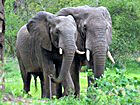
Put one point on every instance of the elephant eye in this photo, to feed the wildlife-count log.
(57, 31)
(85, 28)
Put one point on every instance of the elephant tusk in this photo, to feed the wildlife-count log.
(0, 27)
(110, 57)
(60, 51)
(88, 55)
(0, 30)
(80, 52)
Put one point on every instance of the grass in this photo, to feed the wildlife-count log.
(14, 85)
(13, 88)
(133, 69)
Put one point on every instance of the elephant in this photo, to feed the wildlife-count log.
(46, 46)
(94, 27)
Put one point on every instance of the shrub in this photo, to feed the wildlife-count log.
(115, 89)
(126, 22)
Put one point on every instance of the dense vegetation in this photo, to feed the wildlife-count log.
(120, 84)
(117, 87)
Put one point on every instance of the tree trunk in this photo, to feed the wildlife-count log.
(17, 4)
(2, 30)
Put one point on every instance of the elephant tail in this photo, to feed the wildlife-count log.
(35, 79)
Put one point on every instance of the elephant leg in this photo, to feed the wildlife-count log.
(48, 68)
(27, 82)
(89, 78)
(58, 86)
(26, 77)
(68, 85)
(75, 69)
(44, 93)
(46, 88)
(53, 89)
(59, 90)
(42, 84)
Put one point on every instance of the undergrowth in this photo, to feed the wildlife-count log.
(116, 87)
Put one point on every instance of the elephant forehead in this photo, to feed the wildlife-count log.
(66, 26)
(95, 15)
(68, 18)
(97, 21)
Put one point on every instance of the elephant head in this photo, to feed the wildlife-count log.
(49, 30)
(95, 26)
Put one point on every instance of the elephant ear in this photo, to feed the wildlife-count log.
(71, 18)
(76, 12)
(65, 11)
(108, 20)
(38, 28)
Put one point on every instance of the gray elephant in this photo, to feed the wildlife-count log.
(95, 35)
(38, 45)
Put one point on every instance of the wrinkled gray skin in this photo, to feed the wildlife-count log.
(95, 34)
(37, 47)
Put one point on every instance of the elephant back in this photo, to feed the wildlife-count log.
(25, 49)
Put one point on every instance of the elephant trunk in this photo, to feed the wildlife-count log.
(69, 50)
(66, 64)
(99, 64)
(99, 57)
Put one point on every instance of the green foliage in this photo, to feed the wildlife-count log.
(13, 24)
(126, 22)
(115, 89)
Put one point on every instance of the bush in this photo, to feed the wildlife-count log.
(115, 89)
(126, 23)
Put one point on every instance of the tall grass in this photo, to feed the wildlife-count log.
(117, 87)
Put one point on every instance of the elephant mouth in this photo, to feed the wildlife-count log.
(108, 54)
(77, 51)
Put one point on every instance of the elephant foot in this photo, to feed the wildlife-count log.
(95, 85)
(29, 95)
(69, 91)
(46, 96)
(90, 80)
(25, 91)
(59, 91)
